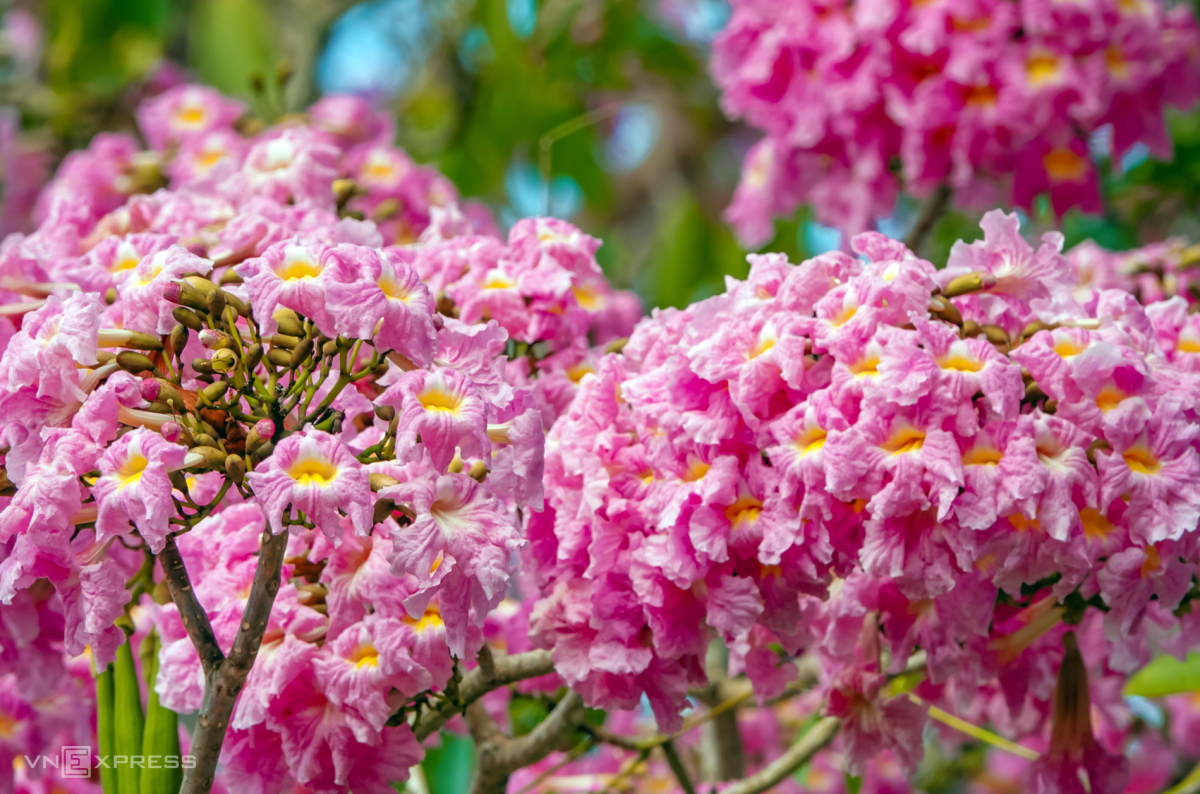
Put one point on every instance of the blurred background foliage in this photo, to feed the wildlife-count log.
(600, 111)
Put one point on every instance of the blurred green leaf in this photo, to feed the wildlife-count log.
(448, 768)
(526, 713)
(230, 41)
(1166, 675)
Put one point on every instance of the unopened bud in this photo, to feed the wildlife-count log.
(478, 472)
(262, 453)
(140, 341)
(995, 334)
(171, 431)
(330, 348)
(173, 292)
(381, 481)
(343, 191)
(284, 340)
(971, 329)
(386, 210)
(968, 283)
(279, 357)
(216, 302)
(149, 389)
(179, 339)
(288, 322)
(105, 357)
(223, 361)
(215, 391)
(302, 353)
(383, 511)
(134, 362)
(235, 468)
(204, 440)
(203, 366)
(253, 356)
(215, 340)
(179, 480)
(212, 457)
(265, 428)
(385, 412)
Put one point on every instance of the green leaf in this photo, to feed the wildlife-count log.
(853, 784)
(1166, 675)
(230, 41)
(128, 721)
(526, 713)
(160, 738)
(104, 727)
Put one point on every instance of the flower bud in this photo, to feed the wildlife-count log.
(262, 453)
(149, 389)
(302, 353)
(205, 440)
(140, 341)
(186, 317)
(343, 191)
(171, 431)
(215, 391)
(203, 366)
(216, 302)
(223, 361)
(235, 468)
(253, 356)
(212, 457)
(383, 510)
(283, 340)
(279, 357)
(265, 428)
(381, 481)
(385, 412)
(968, 283)
(330, 348)
(288, 322)
(215, 340)
(173, 292)
(179, 339)
(134, 362)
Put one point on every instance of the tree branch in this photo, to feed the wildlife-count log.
(722, 738)
(475, 684)
(676, 764)
(934, 209)
(802, 751)
(225, 680)
(194, 617)
(500, 756)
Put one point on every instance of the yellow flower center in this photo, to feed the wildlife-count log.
(577, 372)
(8, 726)
(865, 367)
(131, 470)
(1141, 460)
(696, 471)
(1095, 526)
(1109, 398)
(961, 363)
(438, 400)
(1066, 348)
(1063, 165)
(128, 263)
(843, 317)
(364, 656)
(1022, 524)
(1041, 68)
(1116, 62)
(762, 346)
(906, 439)
(313, 471)
(811, 440)
(588, 298)
(982, 456)
(294, 271)
(745, 510)
(981, 95)
(190, 116)
(1153, 561)
(392, 289)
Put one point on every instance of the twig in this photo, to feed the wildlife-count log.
(800, 753)
(934, 209)
(194, 617)
(576, 751)
(500, 756)
(475, 684)
(676, 764)
(225, 679)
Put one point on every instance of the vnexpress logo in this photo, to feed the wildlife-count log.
(76, 761)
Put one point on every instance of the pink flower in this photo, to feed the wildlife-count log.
(350, 119)
(381, 298)
(872, 724)
(52, 340)
(316, 474)
(111, 262)
(133, 491)
(142, 303)
(214, 154)
(291, 275)
(288, 163)
(444, 408)
(51, 492)
(460, 543)
(185, 112)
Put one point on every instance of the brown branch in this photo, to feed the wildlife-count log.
(500, 756)
(676, 764)
(194, 617)
(475, 684)
(224, 681)
(800, 753)
(934, 209)
(722, 738)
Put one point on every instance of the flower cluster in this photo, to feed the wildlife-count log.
(241, 338)
(994, 99)
(862, 456)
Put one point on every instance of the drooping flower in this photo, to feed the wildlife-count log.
(134, 490)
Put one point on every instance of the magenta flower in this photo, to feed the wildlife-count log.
(186, 112)
(318, 475)
(288, 163)
(350, 119)
(379, 297)
(872, 723)
(443, 408)
(291, 275)
(460, 543)
(133, 491)
(142, 303)
(51, 342)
